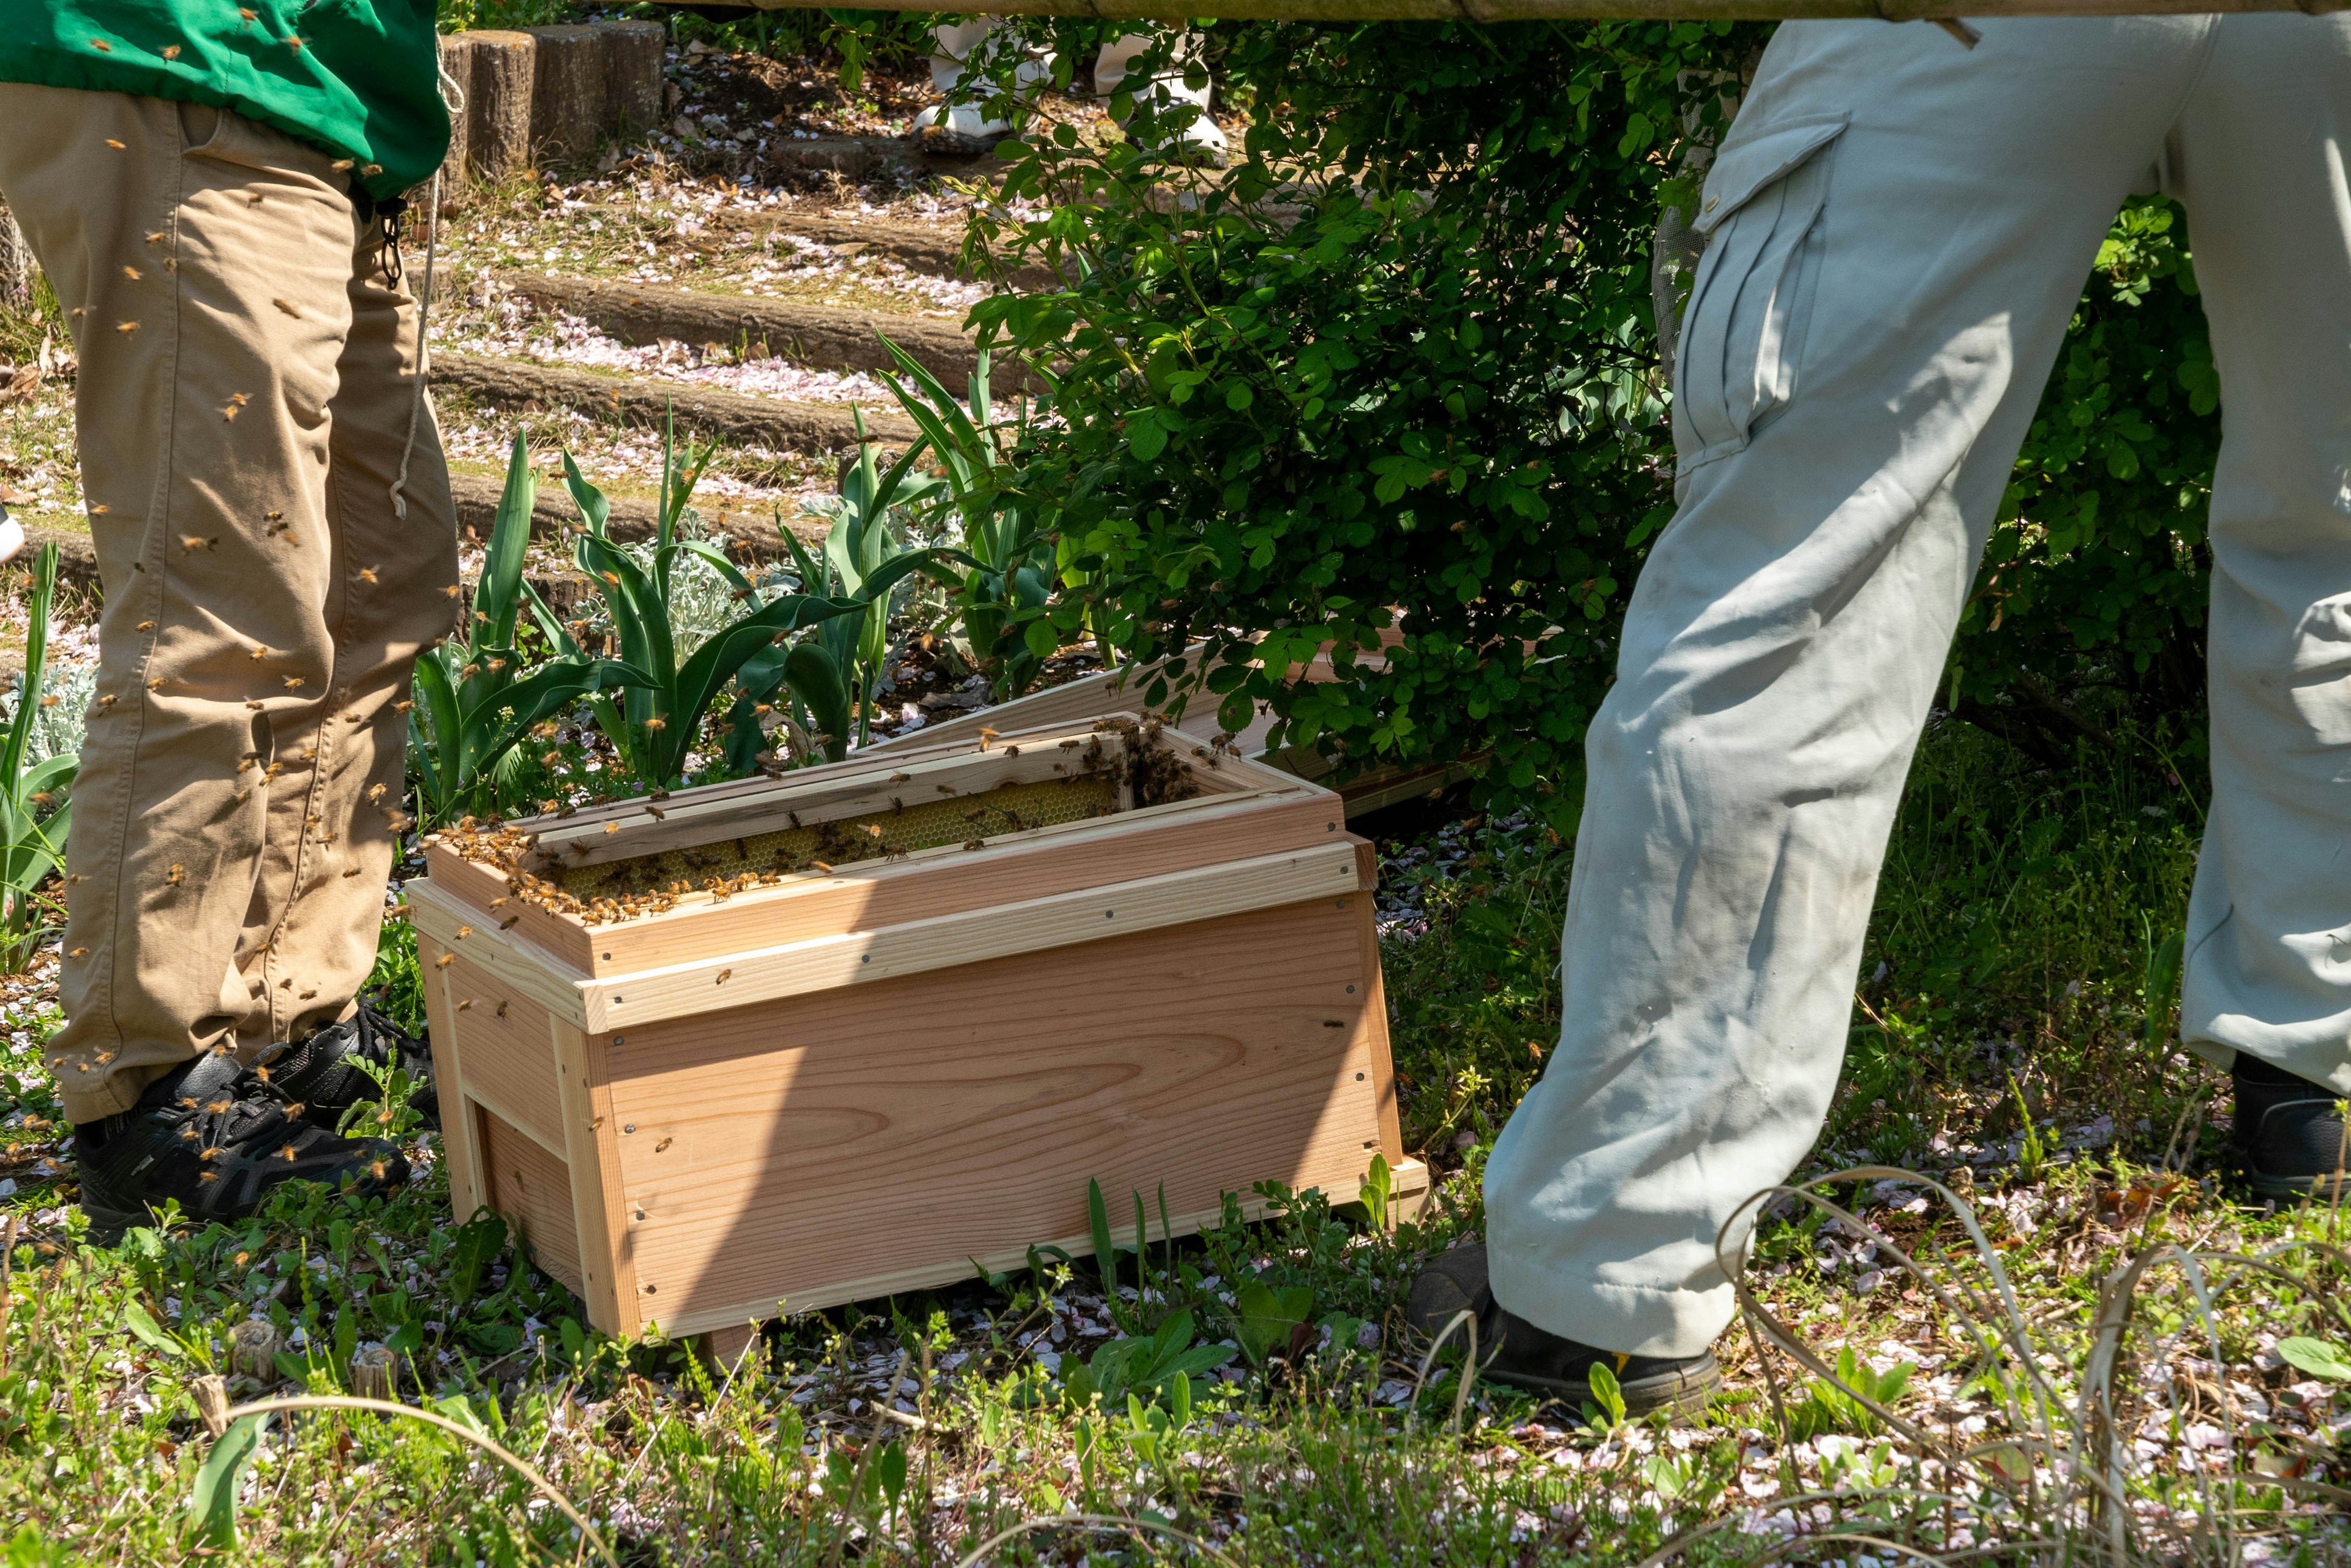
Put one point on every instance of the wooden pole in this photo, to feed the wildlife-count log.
(1580, 10)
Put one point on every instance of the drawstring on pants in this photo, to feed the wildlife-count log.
(454, 98)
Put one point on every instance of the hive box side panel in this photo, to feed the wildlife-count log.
(506, 1051)
(531, 1190)
(460, 1138)
(867, 1139)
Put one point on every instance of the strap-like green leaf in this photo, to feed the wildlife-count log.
(211, 1501)
(36, 661)
(593, 506)
(497, 594)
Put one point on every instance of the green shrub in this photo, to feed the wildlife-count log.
(1401, 355)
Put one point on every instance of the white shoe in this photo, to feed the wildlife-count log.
(960, 128)
(12, 536)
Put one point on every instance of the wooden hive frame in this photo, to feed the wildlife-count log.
(706, 1114)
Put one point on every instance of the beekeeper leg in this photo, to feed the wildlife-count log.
(1200, 135)
(955, 126)
(309, 937)
(203, 263)
(1899, 227)
(2258, 158)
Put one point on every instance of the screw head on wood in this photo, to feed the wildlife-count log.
(629, 1128)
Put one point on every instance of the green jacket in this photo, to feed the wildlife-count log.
(355, 77)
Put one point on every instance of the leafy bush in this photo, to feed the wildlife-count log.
(1401, 356)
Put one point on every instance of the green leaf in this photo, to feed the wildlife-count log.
(1271, 1319)
(1606, 1392)
(2316, 1357)
(147, 1332)
(1146, 436)
(211, 1500)
(1105, 1252)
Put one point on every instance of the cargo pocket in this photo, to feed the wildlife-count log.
(1743, 334)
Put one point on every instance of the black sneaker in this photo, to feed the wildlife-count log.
(2288, 1133)
(217, 1137)
(322, 1072)
(1529, 1357)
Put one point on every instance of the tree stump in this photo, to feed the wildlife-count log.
(373, 1373)
(498, 137)
(457, 63)
(17, 268)
(567, 110)
(253, 1349)
(633, 76)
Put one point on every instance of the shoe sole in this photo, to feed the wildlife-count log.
(1685, 1394)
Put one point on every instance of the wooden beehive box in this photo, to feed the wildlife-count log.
(797, 1041)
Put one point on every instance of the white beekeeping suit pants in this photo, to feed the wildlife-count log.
(1899, 230)
(953, 43)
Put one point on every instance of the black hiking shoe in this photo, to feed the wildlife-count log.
(216, 1136)
(323, 1075)
(1513, 1351)
(2288, 1133)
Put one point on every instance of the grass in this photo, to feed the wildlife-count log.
(2010, 942)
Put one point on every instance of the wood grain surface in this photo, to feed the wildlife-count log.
(509, 1061)
(855, 961)
(803, 1152)
(532, 1190)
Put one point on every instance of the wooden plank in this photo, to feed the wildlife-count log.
(623, 829)
(682, 821)
(715, 1322)
(608, 1282)
(828, 1151)
(524, 967)
(1376, 1030)
(508, 1067)
(861, 957)
(869, 893)
(460, 1134)
(531, 1190)
(1491, 11)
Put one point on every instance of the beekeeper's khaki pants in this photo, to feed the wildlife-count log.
(244, 390)
(1900, 229)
